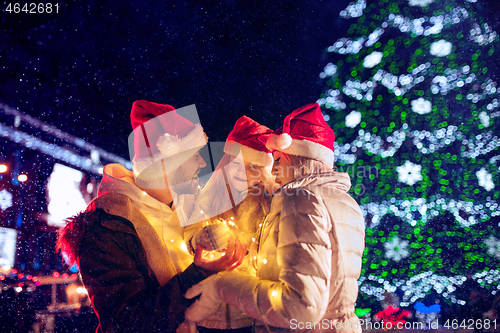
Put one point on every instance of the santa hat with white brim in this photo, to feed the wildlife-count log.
(305, 133)
(249, 137)
(159, 135)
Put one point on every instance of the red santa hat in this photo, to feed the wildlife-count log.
(250, 137)
(305, 133)
(160, 133)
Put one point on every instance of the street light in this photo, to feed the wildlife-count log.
(22, 178)
(3, 168)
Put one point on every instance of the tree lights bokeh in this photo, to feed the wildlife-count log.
(411, 98)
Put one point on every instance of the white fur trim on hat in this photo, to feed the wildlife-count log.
(174, 150)
(303, 148)
(249, 154)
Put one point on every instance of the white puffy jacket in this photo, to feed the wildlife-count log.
(309, 260)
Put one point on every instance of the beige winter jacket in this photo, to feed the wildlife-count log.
(309, 260)
(117, 179)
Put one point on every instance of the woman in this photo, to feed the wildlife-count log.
(310, 244)
(233, 204)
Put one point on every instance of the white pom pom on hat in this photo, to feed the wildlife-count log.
(284, 140)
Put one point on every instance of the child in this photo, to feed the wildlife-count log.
(233, 204)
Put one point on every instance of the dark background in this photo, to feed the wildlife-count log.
(82, 69)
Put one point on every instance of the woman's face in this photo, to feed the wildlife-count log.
(243, 175)
(267, 179)
(282, 169)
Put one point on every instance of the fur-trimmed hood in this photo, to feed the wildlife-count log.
(104, 210)
(70, 237)
(116, 180)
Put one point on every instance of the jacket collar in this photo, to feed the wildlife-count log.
(157, 255)
(338, 180)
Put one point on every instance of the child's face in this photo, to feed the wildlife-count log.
(282, 169)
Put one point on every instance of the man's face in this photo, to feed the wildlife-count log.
(184, 180)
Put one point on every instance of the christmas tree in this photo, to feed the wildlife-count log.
(414, 106)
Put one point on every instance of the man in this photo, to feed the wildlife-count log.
(128, 244)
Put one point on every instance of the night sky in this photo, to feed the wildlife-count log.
(82, 69)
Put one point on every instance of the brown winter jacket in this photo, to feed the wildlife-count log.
(127, 293)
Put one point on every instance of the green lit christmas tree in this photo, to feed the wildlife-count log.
(415, 110)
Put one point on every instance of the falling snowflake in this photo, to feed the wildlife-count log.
(421, 106)
(493, 246)
(409, 173)
(353, 119)
(484, 118)
(396, 249)
(421, 3)
(5, 199)
(485, 179)
(372, 59)
(441, 48)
